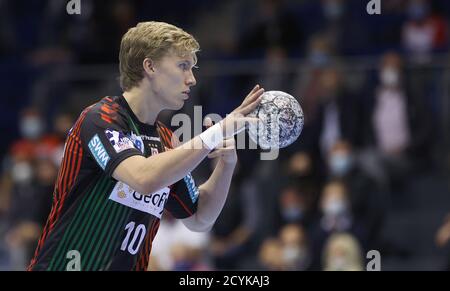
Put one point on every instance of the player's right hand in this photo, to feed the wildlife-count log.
(238, 118)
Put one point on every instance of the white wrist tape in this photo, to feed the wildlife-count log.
(212, 136)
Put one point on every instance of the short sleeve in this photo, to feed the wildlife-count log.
(183, 198)
(105, 137)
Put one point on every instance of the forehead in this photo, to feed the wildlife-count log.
(180, 57)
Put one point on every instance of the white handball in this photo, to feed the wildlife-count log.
(281, 120)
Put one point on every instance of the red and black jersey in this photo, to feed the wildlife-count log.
(105, 222)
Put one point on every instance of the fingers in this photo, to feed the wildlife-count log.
(250, 107)
(236, 123)
(252, 98)
(221, 152)
(256, 88)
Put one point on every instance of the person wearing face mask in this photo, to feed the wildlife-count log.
(424, 32)
(398, 124)
(338, 114)
(35, 140)
(31, 125)
(295, 250)
(294, 207)
(336, 216)
(336, 213)
(366, 193)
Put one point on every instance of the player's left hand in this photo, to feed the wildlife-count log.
(226, 151)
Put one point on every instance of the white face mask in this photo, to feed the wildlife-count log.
(290, 254)
(21, 172)
(390, 77)
(338, 263)
(340, 164)
(31, 127)
(335, 207)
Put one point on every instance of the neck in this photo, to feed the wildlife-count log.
(143, 104)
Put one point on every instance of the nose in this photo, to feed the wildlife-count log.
(190, 81)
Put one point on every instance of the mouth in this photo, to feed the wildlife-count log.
(186, 93)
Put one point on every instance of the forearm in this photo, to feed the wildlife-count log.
(147, 175)
(213, 194)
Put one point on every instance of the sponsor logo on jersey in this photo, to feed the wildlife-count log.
(154, 151)
(192, 188)
(152, 204)
(118, 140)
(99, 151)
(151, 138)
(137, 141)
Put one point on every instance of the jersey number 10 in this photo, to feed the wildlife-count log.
(138, 235)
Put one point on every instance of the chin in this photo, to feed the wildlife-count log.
(177, 106)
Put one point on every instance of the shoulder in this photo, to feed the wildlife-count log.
(162, 127)
(107, 113)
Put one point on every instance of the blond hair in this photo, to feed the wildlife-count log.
(151, 40)
(348, 247)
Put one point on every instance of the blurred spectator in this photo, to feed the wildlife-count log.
(336, 216)
(398, 122)
(367, 194)
(274, 75)
(295, 207)
(337, 21)
(24, 220)
(177, 248)
(35, 140)
(187, 258)
(423, 32)
(442, 239)
(337, 113)
(296, 255)
(271, 255)
(335, 206)
(61, 126)
(342, 252)
(307, 86)
(235, 232)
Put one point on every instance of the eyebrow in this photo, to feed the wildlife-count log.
(189, 63)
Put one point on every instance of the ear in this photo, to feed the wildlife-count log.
(149, 66)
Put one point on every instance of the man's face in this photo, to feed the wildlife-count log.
(172, 80)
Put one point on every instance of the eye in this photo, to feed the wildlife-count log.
(184, 66)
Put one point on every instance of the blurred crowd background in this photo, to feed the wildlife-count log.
(369, 171)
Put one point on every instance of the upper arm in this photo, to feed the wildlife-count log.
(129, 171)
(106, 140)
(183, 198)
